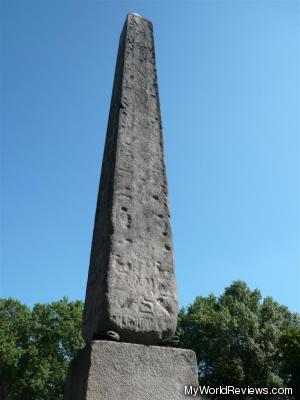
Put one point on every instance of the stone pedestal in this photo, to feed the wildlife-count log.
(124, 371)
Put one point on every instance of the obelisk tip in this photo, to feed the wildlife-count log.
(138, 16)
(135, 14)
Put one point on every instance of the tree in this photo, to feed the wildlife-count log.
(239, 340)
(289, 357)
(14, 336)
(236, 337)
(36, 347)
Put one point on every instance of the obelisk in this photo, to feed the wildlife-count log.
(131, 297)
(131, 284)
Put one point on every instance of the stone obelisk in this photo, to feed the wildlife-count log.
(131, 285)
(131, 292)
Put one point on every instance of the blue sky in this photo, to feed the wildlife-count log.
(229, 80)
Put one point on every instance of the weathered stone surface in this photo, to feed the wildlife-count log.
(125, 371)
(131, 284)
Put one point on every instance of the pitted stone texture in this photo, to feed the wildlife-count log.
(131, 285)
(125, 371)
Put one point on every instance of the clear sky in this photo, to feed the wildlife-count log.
(229, 80)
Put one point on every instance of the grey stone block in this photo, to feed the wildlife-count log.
(131, 285)
(124, 371)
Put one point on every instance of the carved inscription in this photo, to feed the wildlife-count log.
(137, 322)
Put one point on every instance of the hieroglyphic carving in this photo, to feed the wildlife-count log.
(137, 322)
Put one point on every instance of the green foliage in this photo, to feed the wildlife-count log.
(36, 347)
(237, 338)
(289, 357)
